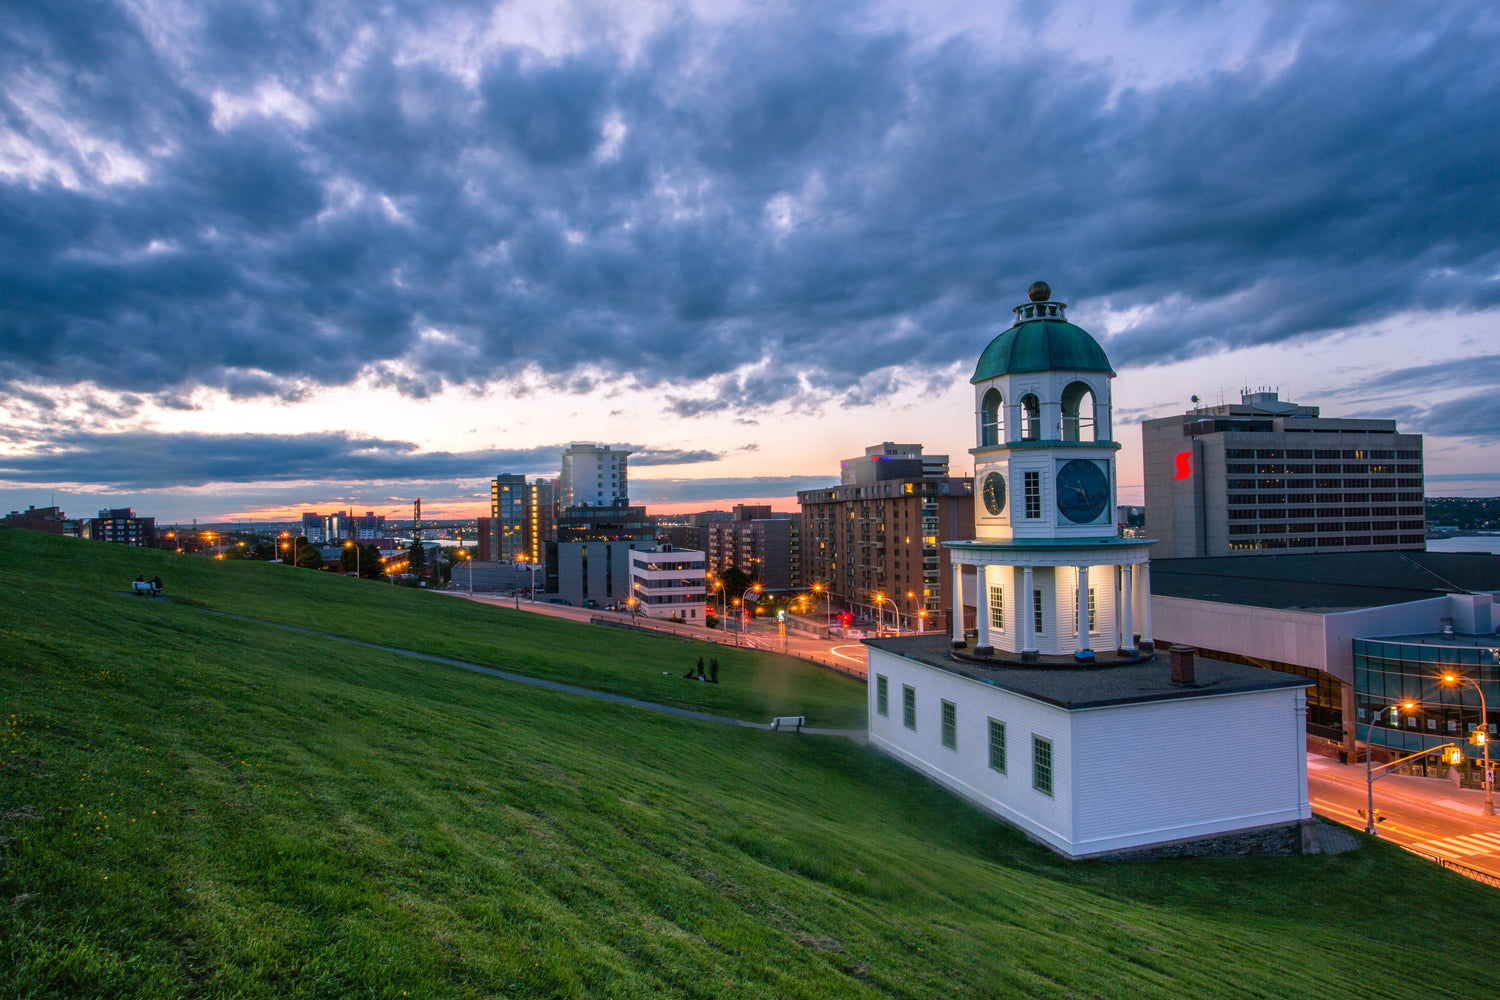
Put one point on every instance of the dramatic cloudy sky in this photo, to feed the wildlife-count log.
(272, 256)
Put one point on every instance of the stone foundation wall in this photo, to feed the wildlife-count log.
(1280, 840)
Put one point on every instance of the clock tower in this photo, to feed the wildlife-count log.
(1052, 577)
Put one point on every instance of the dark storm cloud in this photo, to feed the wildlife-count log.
(794, 192)
(672, 456)
(143, 460)
(726, 490)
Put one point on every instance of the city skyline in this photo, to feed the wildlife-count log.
(257, 263)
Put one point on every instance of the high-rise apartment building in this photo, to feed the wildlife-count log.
(593, 476)
(764, 545)
(508, 515)
(369, 526)
(315, 528)
(1266, 475)
(539, 520)
(885, 538)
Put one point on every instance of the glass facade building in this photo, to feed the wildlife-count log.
(1403, 670)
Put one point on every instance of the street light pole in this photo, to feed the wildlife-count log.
(1484, 738)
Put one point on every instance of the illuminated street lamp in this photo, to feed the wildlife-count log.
(351, 545)
(1451, 753)
(1481, 736)
(818, 588)
(880, 601)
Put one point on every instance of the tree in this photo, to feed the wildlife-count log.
(307, 554)
(416, 559)
(736, 581)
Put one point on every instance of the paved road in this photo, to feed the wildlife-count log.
(840, 654)
(1425, 814)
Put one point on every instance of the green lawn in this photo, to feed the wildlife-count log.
(195, 805)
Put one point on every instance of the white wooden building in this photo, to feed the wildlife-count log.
(1059, 716)
(1097, 760)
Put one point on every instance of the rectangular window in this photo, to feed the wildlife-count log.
(997, 608)
(997, 745)
(1036, 611)
(881, 695)
(908, 706)
(950, 726)
(1033, 494)
(1093, 627)
(1041, 764)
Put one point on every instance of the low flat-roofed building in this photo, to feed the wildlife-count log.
(668, 582)
(1302, 613)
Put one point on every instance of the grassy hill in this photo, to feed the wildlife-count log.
(193, 804)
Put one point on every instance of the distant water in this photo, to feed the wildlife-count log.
(1465, 543)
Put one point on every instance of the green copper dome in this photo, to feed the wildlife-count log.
(1041, 340)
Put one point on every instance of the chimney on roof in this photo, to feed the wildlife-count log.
(1182, 665)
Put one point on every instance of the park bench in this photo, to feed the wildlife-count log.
(146, 587)
(788, 722)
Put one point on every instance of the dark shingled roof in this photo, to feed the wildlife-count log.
(1332, 581)
(1075, 688)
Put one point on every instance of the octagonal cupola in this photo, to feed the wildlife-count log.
(1042, 380)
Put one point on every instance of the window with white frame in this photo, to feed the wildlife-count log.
(950, 726)
(997, 745)
(1036, 612)
(1041, 764)
(1093, 617)
(997, 608)
(908, 706)
(1033, 494)
(881, 693)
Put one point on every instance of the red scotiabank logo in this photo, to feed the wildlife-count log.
(1184, 465)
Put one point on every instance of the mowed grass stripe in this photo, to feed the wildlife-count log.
(279, 815)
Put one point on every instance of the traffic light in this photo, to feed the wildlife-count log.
(1378, 817)
(1453, 755)
(1478, 737)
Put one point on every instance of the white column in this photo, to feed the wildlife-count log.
(1145, 577)
(1083, 609)
(1026, 612)
(982, 608)
(1127, 635)
(958, 603)
(1118, 607)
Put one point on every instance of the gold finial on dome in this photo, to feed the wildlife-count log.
(1039, 291)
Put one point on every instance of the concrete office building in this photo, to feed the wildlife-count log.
(594, 573)
(889, 460)
(1265, 475)
(668, 582)
(593, 477)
